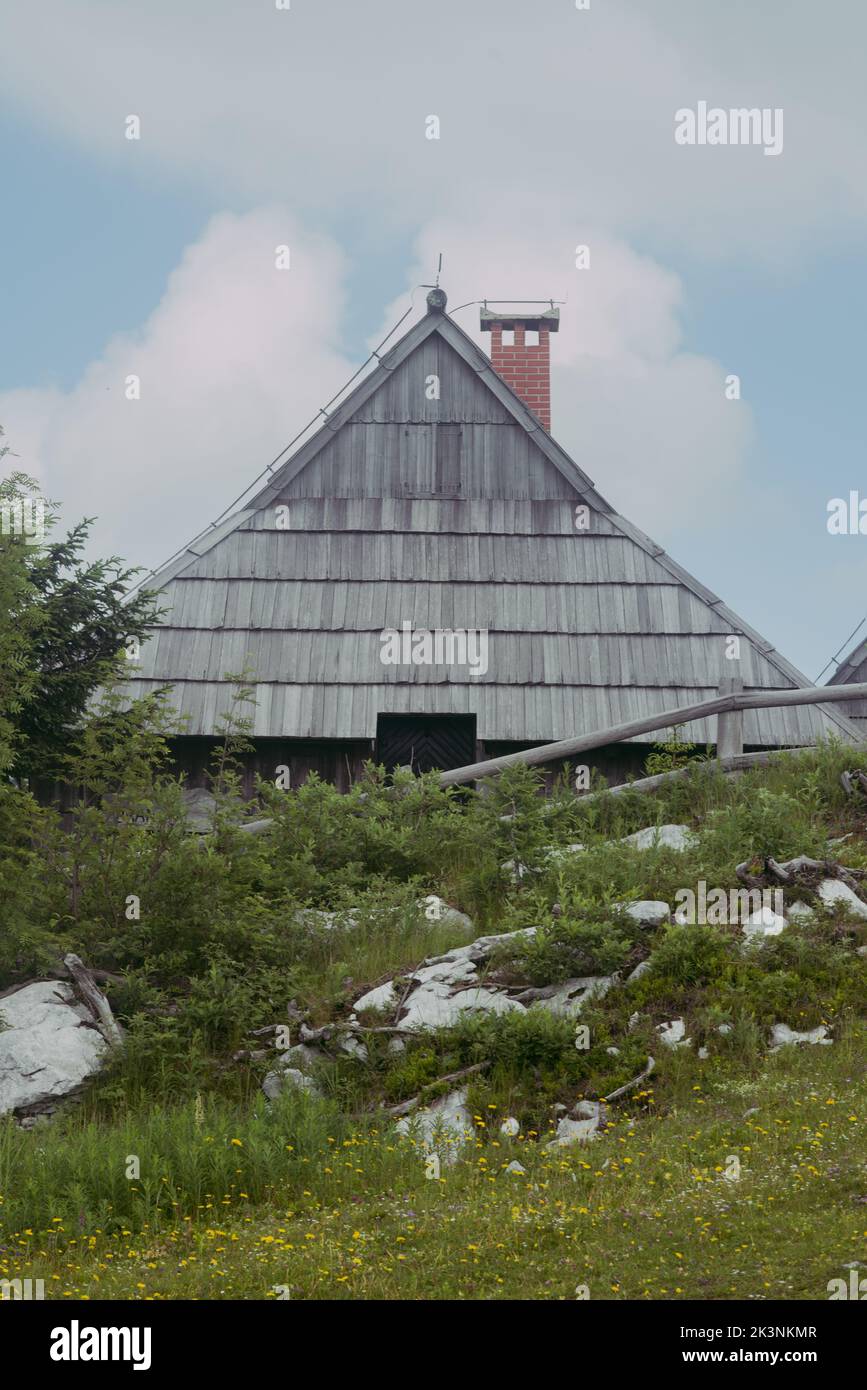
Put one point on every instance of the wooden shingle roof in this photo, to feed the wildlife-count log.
(853, 671)
(586, 628)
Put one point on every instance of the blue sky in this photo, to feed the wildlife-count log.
(308, 126)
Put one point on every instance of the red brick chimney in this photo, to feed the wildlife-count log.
(523, 365)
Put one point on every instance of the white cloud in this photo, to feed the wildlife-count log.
(234, 360)
(239, 355)
(326, 103)
(649, 422)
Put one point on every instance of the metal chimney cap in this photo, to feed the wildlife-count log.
(548, 318)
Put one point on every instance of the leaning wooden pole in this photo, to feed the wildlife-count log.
(720, 704)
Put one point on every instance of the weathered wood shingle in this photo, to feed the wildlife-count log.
(380, 520)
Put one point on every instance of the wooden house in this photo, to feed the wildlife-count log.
(853, 671)
(430, 580)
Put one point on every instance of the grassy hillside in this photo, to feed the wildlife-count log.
(738, 1173)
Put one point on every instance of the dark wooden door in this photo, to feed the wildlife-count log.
(424, 742)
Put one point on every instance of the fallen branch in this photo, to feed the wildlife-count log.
(778, 871)
(94, 999)
(407, 1105)
(751, 880)
(327, 1031)
(621, 1090)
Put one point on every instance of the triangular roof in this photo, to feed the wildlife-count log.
(311, 670)
(853, 671)
(851, 668)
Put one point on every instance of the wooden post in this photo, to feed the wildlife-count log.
(730, 725)
(704, 709)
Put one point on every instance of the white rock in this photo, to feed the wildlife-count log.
(555, 852)
(442, 1127)
(515, 870)
(647, 912)
(570, 997)
(782, 1036)
(353, 1047)
(589, 1110)
(662, 836)
(434, 1005)
(573, 1132)
(453, 971)
(763, 923)
(516, 1167)
(288, 1078)
(200, 807)
(510, 1127)
(613, 1051)
(799, 912)
(46, 1047)
(703, 1054)
(641, 969)
(382, 997)
(478, 950)
(861, 951)
(834, 893)
(485, 945)
(673, 1033)
(256, 827)
(438, 910)
(300, 1055)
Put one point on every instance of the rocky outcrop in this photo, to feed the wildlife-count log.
(784, 1036)
(442, 1128)
(447, 986)
(834, 893)
(49, 1045)
(583, 1125)
(287, 1078)
(762, 924)
(678, 837)
(647, 912)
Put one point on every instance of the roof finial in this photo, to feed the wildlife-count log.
(437, 299)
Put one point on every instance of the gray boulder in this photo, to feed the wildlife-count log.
(199, 808)
(288, 1079)
(443, 1127)
(571, 1132)
(641, 969)
(382, 997)
(673, 1034)
(647, 912)
(438, 910)
(836, 894)
(784, 1036)
(49, 1045)
(677, 837)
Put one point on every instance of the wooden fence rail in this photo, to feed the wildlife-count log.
(729, 704)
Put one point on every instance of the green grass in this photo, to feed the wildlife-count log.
(174, 1179)
(644, 1213)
